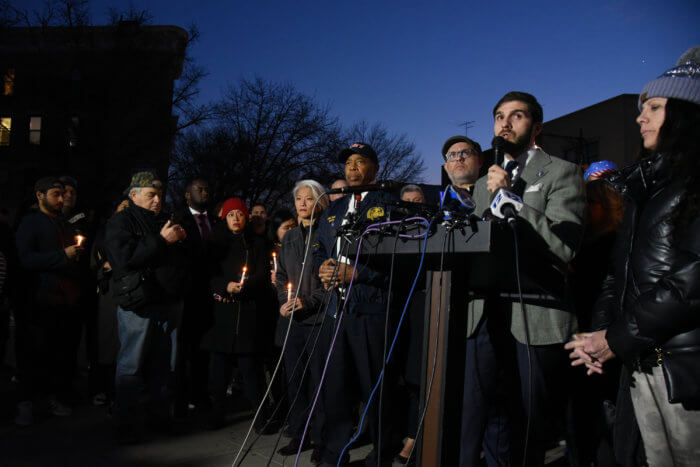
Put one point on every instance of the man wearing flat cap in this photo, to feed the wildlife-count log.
(149, 265)
(357, 354)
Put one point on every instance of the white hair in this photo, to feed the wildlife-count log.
(411, 188)
(316, 191)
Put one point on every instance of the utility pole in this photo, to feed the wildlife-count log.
(467, 125)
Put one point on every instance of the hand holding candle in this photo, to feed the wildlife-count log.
(79, 239)
(274, 261)
(243, 275)
(289, 291)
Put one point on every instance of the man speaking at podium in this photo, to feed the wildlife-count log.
(358, 351)
(515, 362)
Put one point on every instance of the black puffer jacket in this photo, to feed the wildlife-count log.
(653, 297)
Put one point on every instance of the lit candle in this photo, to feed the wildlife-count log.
(274, 260)
(243, 275)
(79, 239)
(289, 291)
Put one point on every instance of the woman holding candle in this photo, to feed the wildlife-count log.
(306, 313)
(240, 332)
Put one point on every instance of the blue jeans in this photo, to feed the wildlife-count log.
(148, 352)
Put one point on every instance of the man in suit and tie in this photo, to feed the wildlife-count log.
(357, 355)
(193, 371)
(515, 360)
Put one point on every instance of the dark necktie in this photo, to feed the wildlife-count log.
(203, 225)
(510, 168)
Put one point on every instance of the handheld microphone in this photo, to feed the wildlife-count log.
(384, 185)
(498, 144)
(506, 205)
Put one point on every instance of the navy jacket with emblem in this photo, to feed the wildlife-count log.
(369, 290)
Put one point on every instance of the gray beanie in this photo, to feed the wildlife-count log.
(681, 82)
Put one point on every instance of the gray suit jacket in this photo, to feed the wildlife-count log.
(553, 206)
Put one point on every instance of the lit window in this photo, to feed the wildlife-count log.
(5, 128)
(9, 82)
(35, 130)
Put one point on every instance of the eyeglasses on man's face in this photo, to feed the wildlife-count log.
(464, 154)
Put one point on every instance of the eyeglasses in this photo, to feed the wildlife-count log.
(464, 154)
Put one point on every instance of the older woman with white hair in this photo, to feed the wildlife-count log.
(305, 312)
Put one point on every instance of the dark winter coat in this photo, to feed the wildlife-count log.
(133, 243)
(53, 279)
(242, 325)
(290, 263)
(653, 298)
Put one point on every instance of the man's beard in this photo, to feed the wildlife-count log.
(519, 146)
(47, 207)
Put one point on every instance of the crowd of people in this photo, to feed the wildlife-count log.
(178, 308)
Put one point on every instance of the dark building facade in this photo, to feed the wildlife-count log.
(94, 103)
(603, 131)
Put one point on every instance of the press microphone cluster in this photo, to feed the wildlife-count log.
(384, 185)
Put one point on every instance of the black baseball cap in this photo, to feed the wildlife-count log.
(44, 184)
(460, 139)
(363, 149)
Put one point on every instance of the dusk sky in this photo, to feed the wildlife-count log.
(423, 68)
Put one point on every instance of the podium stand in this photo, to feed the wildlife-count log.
(477, 261)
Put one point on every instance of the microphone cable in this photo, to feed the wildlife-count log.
(286, 338)
(386, 338)
(324, 308)
(306, 365)
(435, 345)
(527, 342)
(328, 357)
(391, 349)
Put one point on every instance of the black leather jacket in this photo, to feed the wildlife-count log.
(652, 299)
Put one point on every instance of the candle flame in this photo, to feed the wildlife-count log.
(289, 285)
(79, 239)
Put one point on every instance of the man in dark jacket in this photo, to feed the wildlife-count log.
(149, 268)
(48, 254)
(196, 318)
(357, 354)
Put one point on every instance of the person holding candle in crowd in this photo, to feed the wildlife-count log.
(282, 221)
(239, 329)
(306, 314)
(48, 254)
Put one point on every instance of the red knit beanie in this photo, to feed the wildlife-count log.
(231, 204)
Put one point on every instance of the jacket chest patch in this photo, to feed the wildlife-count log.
(331, 219)
(375, 213)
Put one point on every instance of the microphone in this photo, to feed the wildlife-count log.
(404, 209)
(498, 145)
(385, 185)
(506, 205)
